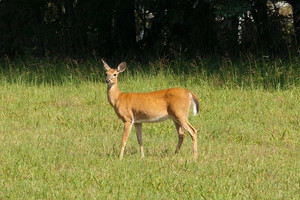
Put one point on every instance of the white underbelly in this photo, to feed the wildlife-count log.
(152, 120)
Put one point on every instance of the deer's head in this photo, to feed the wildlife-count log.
(112, 74)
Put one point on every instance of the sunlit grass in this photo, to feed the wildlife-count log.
(60, 138)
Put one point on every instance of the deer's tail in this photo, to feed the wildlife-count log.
(195, 103)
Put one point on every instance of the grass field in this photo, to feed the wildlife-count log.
(60, 138)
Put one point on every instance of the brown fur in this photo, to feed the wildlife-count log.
(138, 108)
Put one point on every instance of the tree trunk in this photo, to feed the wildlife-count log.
(296, 19)
(260, 15)
(105, 37)
(125, 33)
(68, 26)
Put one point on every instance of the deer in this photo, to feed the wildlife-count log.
(138, 108)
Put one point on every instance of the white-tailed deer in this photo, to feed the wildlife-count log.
(137, 108)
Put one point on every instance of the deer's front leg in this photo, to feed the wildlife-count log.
(126, 131)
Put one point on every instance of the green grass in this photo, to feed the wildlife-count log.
(60, 138)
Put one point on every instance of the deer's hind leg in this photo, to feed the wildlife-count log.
(179, 111)
(184, 123)
(181, 136)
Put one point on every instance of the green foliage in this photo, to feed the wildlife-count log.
(231, 8)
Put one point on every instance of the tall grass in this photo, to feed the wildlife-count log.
(60, 139)
(242, 73)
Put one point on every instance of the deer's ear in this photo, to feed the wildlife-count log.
(105, 65)
(122, 67)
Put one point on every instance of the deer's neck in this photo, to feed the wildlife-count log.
(113, 93)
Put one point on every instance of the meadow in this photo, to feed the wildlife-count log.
(60, 138)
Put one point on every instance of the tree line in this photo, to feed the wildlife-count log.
(153, 27)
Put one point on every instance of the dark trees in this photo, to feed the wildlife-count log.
(110, 27)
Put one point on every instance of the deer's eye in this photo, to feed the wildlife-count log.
(115, 74)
